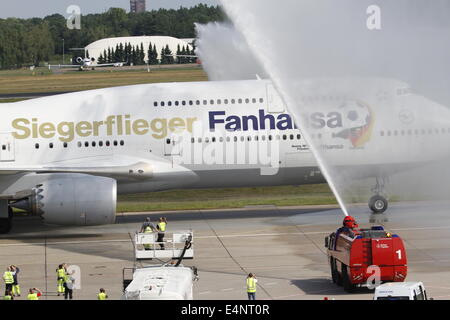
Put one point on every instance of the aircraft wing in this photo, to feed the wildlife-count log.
(124, 169)
(116, 64)
(60, 66)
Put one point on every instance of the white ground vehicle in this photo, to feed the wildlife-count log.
(161, 283)
(401, 291)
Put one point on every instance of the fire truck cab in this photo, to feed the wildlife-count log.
(356, 256)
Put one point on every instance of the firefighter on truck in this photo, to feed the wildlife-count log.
(359, 256)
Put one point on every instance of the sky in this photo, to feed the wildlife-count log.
(42, 8)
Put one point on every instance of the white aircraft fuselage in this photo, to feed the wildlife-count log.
(211, 134)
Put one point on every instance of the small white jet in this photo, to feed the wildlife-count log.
(86, 63)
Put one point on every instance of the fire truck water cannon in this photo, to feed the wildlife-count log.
(358, 257)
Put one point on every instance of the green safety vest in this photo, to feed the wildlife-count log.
(162, 226)
(148, 230)
(102, 296)
(251, 285)
(32, 296)
(8, 277)
(61, 273)
(7, 298)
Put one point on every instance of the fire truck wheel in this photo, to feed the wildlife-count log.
(334, 273)
(348, 286)
(378, 204)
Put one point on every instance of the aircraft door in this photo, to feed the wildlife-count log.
(171, 146)
(274, 102)
(7, 147)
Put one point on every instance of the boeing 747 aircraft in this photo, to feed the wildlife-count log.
(66, 157)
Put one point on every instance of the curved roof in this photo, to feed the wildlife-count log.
(98, 47)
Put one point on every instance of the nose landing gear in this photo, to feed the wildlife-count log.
(378, 203)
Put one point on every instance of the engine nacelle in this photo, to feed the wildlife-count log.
(75, 199)
(80, 60)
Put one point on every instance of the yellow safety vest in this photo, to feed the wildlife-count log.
(61, 273)
(148, 230)
(162, 226)
(7, 298)
(251, 285)
(32, 296)
(102, 296)
(8, 277)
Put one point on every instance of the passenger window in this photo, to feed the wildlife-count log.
(162, 103)
(270, 137)
(213, 139)
(191, 103)
(247, 100)
(219, 101)
(284, 137)
(115, 143)
(155, 104)
(205, 102)
(228, 139)
(197, 102)
(263, 138)
(254, 100)
(382, 133)
(206, 140)
(242, 138)
(169, 103)
(261, 100)
(107, 143)
(233, 101)
(249, 138)
(235, 139)
(183, 103)
(65, 144)
(79, 144)
(86, 144)
(225, 101)
(36, 145)
(177, 103)
(3, 147)
(100, 143)
(240, 101)
(93, 143)
(299, 136)
(211, 102)
(291, 137)
(192, 140)
(122, 143)
(50, 145)
(167, 141)
(199, 140)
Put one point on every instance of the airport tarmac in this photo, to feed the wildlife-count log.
(282, 246)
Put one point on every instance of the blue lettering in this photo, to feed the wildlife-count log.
(213, 121)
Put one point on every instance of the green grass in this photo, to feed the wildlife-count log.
(190, 199)
(43, 80)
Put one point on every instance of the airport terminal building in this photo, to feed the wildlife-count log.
(97, 48)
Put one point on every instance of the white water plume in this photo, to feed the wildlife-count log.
(368, 83)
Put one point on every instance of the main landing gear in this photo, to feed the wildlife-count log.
(5, 217)
(378, 203)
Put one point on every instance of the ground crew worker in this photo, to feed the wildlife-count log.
(16, 287)
(148, 223)
(61, 276)
(161, 232)
(69, 283)
(102, 294)
(148, 246)
(9, 279)
(34, 294)
(251, 286)
(8, 296)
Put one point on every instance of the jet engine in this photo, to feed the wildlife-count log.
(73, 199)
(80, 60)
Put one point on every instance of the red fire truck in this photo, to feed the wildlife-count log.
(354, 256)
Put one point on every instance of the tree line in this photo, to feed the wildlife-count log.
(136, 55)
(35, 40)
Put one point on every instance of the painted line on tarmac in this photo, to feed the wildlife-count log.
(212, 237)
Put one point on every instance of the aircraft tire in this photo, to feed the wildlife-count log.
(6, 223)
(348, 286)
(378, 204)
